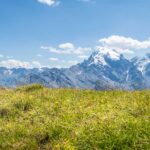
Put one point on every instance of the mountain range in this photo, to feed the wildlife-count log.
(103, 70)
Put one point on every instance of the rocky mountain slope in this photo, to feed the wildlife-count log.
(103, 70)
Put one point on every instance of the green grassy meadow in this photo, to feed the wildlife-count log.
(38, 118)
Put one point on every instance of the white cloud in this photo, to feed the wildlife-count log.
(53, 59)
(124, 43)
(54, 50)
(106, 49)
(67, 48)
(12, 63)
(56, 2)
(83, 56)
(81, 50)
(49, 2)
(35, 64)
(7, 57)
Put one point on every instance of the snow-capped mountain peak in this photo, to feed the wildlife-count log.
(111, 53)
(101, 53)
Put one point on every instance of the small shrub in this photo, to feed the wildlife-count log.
(42, 139)
(4, 112)
(30, 88)
(23, 105)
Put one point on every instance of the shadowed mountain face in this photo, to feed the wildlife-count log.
(103, 70)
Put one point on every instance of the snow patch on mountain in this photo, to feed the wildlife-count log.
(142, 63)
(111, 53)
(101, 53)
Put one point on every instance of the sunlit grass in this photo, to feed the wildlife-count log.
(34, 117)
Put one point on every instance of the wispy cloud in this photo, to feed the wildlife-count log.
(12, 63)
(53, 59)
(5, 57)
(56, 2)
(49, 2)
(67, 48)
(83, 56)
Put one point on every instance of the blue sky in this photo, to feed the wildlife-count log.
(63, 32)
